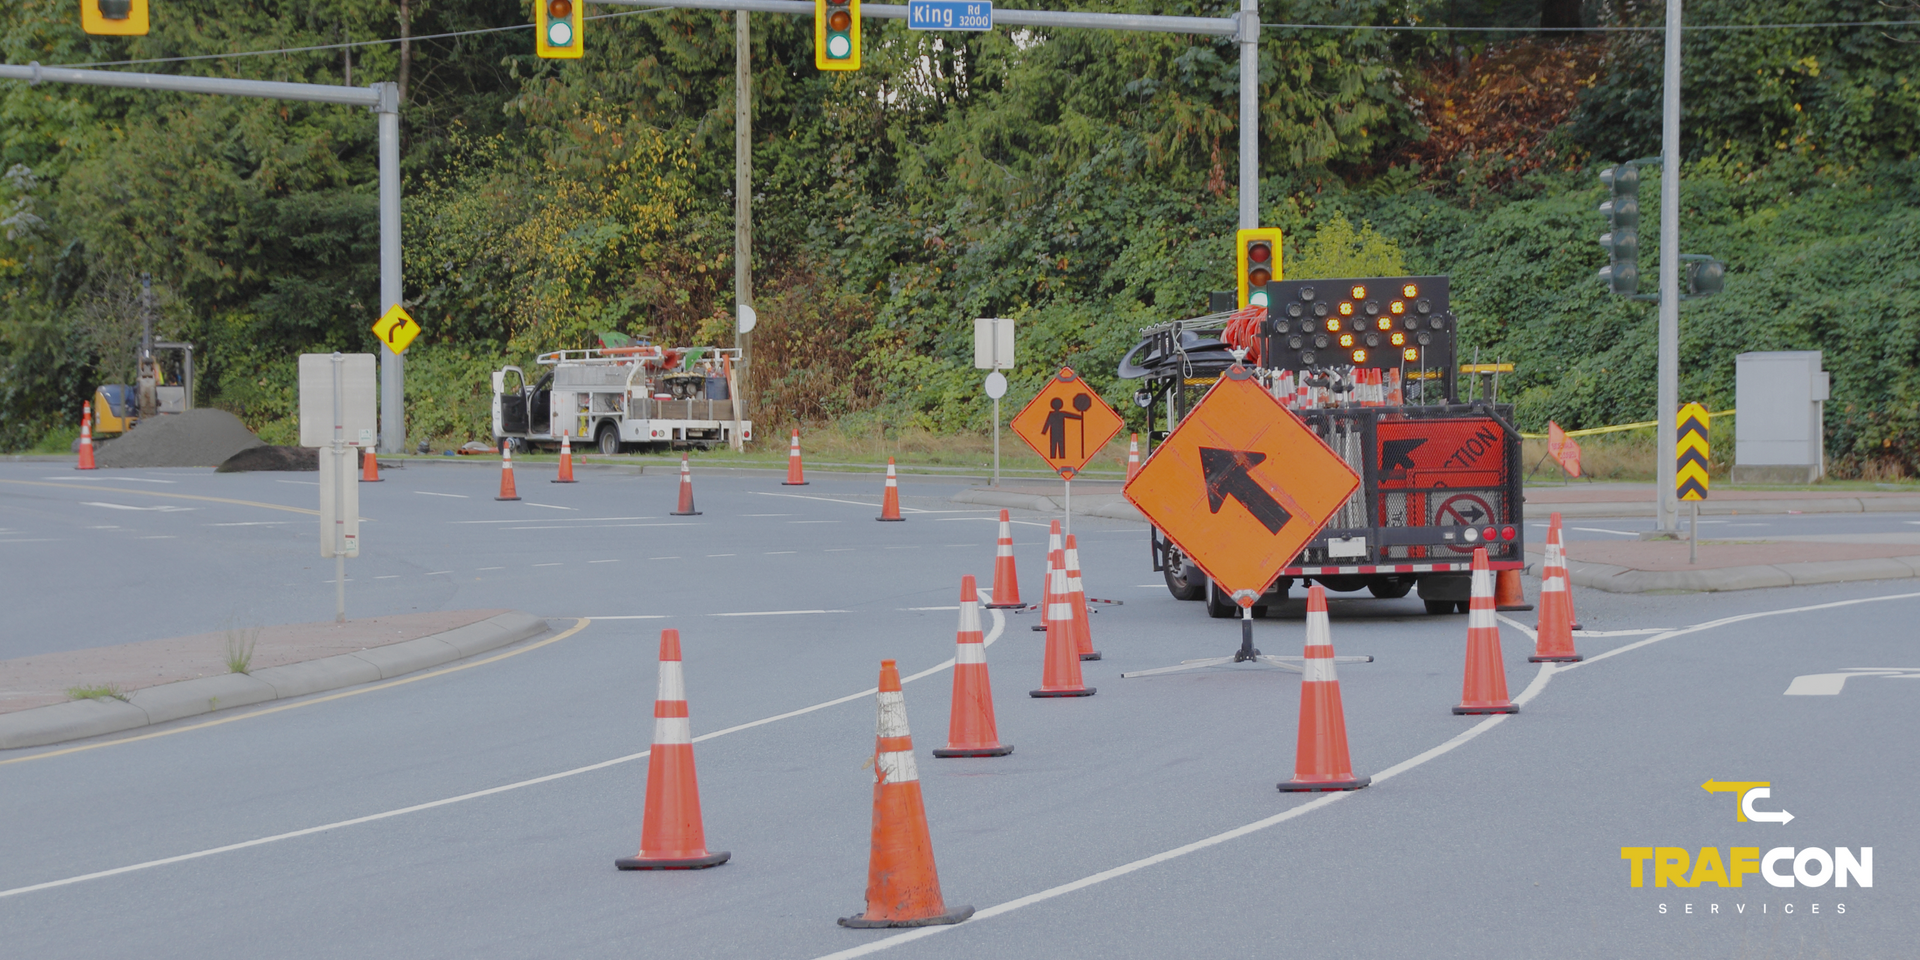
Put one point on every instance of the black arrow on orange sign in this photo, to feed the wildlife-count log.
(1398, 454)
(1228, 475)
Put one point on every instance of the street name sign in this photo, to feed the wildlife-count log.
(949, 15)
(1241, 486)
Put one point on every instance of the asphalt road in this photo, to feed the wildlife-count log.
(1489, 838)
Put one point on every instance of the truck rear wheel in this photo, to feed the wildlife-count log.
(1183, 581)
(1219, 605)
(1390, 588)
(609, 439)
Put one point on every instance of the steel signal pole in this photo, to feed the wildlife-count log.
(393, 390)
(742, 199)
(1249, 39)
(1669, 333)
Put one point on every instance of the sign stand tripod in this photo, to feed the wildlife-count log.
(1246, 654)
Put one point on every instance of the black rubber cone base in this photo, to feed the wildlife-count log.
(1476, 711)
(897, 520)
(1577, 627)
(506, 498)
(1090, 656)
(1512, 607)
(860, 922)
(563, 481)
(689, 863)
(374, 480)
(1038, 628)
(1576, 658)
(789, 483)
(689, 513)
(998, 751)
(1324, 786)
(1079, 692)
(1005, 606)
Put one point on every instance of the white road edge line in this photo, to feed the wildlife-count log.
(1540, 679)
(999, 626)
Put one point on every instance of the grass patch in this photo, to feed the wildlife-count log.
(98, 691)
(240, 643)
(56, 441)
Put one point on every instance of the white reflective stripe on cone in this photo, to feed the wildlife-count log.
(1479, 618)
(1553, 557)
(970, 617)
(673, 685)
(1318, 634)
(1060, 611)
(969, 651)
(893, 713)
(1317, 670)
(1005, 548)
(1483, 583)
(1554, 583)
(668, 731)
(896, 766)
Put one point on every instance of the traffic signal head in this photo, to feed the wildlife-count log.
(556, 28)
(836, 34)
(1257, 254)
(1622, 239)
(1703, 277)
(115, 18)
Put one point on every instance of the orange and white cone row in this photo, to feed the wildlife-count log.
(971, 731)
(1320, 761)
(1077, 596)
(672, 836)
(1006, 577)
(1060, 677)
(86, 438)
(890, 501)
(1055, 551)
(796, 471)
(566, 460)
(507, 491)
(685, 509)
(1483, 689)
(903, 887)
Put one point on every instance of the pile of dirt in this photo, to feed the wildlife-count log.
(272, 458)
(196, 438)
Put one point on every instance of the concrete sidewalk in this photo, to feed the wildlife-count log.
(155, 681)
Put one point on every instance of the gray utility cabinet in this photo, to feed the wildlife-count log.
(1778, 431)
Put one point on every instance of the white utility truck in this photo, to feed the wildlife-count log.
(623, 397)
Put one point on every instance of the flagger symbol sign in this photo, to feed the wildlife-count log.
(1067, 423)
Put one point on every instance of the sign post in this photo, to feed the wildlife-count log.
(993, 350)
(1066, 423)
(1241, 486)
(1690, 481)
(337, 412)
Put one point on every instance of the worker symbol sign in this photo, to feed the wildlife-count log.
(1067, 423)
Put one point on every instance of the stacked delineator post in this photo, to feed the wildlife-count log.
(890, 500)
(1483, 689)
(507, 491)
(566, 460)
(796, 471)
(1060, 677)
(1006, 578)
(1077, 596)
(971, 731)
(86, 438)
(686, 490)
(903, 887)
(672, 836)
(1320, 761)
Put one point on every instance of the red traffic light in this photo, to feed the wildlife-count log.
(1259, 252)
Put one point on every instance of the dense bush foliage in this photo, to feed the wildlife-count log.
(1082, 182)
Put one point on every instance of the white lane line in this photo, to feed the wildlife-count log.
(774, 613)
(1617, 533)
(999, 626)
(435, 573)
(951, 519)
(304, 483)
(116, 527)
(779, 553)
(430, 493)
(839, 550)
(547, 564)
(712, 555)
(1620, 633)
(129, 479)
(390, 576)
(1539, 684)
(1517, 625)
(548, 506)
(617, 526)
(163, 508)
(480, 570)
(555, 520)
(634, 616)
(252, 523)
(36, 540)
(930, 608)
(603, 561)
(663, 558)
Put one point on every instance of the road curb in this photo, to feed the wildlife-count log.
(1614, 579)
(78, 719)
(1113, 506)
(1726, 508)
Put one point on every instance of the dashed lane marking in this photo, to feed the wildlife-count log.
(775, 613)
(163, 508)
(547, 506)
(603, 561)
(430, 493)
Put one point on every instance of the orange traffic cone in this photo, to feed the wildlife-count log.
(796, 471)
(1061, 677)
(686, 491)
(1077, 596)
(566, 460)
(903, 888)
(86, 437)
(506, 472)
(1556, 556)
(1006, 579)
(1507, 592)
(671, 836)
(1484, 688)
(1054, 549)
(890, 503)
(970, 728)
(1553, 634)
(1320, 762)
(1133, 456)
(369, 467)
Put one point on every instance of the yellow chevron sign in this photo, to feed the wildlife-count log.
(1690, 452)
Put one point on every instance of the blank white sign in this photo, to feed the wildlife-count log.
(358, 398)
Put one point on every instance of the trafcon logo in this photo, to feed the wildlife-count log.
(1810, 866)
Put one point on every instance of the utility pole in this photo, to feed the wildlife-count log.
(393, 393)
(1249, 38)
(742, 203)
(1669, 333)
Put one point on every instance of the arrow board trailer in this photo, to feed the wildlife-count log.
(624, 398)
(1369, 365)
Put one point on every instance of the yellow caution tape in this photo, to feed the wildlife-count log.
(1590, 431)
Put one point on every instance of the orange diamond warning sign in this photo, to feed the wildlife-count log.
(1241, 486)
(1067, 423)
